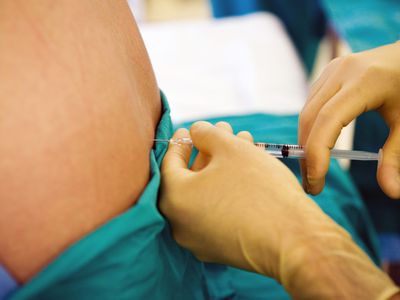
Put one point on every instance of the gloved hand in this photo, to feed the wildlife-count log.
(240, 206)
(348, 87)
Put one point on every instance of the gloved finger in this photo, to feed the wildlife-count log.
(326, 74)
(203, 159)
(225, 126)
(312, 108)
(321, 94)
(178, 155)
(388, 174)
(245, 135)
(303, 173)
(209, 139)
(322, 91)
(333, 116)
(306, 123)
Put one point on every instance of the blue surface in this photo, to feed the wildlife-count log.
(390, 247)
(7, 284)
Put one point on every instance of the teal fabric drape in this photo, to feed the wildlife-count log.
(133, 256)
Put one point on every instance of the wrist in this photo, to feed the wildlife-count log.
(292, 237)
(331, 266)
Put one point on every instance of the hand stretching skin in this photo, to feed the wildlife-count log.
(238, 205)
(348, 87)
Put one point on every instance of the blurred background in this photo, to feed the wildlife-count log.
(230, 57)
(162, 10)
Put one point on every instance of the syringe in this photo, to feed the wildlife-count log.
(290, 150)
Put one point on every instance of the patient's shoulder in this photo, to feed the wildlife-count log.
(62, 174)
(76, 129)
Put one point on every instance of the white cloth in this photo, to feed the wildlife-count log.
(222, 67)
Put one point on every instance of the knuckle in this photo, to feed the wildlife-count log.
(373, 69)
(223, 124)
(199, 126)
(237, 148)
(245, 134)
(305, 120)
(304, 117)
(330, 120)
(326, 115)
(348, 61)
(371, 73)
(336, 60)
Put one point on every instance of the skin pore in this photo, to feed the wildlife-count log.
(79, 105)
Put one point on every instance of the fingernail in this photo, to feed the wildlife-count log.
(312, 181)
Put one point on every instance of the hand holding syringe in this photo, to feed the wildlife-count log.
(237, 201)
(290, 151)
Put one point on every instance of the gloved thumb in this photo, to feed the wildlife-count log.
(388, 174)
(178, 155)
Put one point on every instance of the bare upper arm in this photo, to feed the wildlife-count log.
(78, 110)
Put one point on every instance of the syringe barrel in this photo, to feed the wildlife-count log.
(354, 155)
